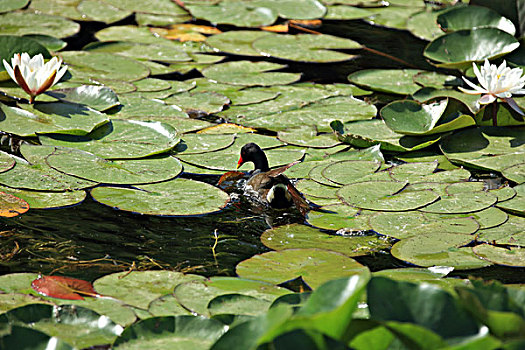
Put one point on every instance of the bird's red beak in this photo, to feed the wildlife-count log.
(240, 162)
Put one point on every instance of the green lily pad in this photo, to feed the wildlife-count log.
(314, 266)
(12, 44)
(47, 200)
(251, 95)
(463, 202)
(171, 332)
(517, 204)
(423, 25)
(23, 175)
(131, 33)
(197, 295)
(349, 171)
(101, 11)
(160, 7)
(72, 324)
(95, 66)
(227, 159)
(179, 197)
(340, 217)
(167, 305)
(248, 73)
(443, 249)
(489, 148)
(181, 124)
(56, 8)
(199, 103)
(504, 193)
(343, 12)
(319, 114)
(474, 17)
(6, 162)
(412, 118)
(366, 133)
(427, 94)
(152, 84)
(45, 117)
(305, 47)
(385, 196)
(88, 166)
(413, 223)
(96, 97)
(203, 143)
(486, 218)
(27, 338)
(237, 304)
(515, 173)
(316, 189)
(121, 139)
(146, 285)
(512, 256)
(136, 107)
(236, 42)
(393, 81)
(511, 232)
(21, 23)
(459, 49)
(427, 157)
(301, 236)
(152, 52)
(10, 5)
(308, 136)
(412, 172)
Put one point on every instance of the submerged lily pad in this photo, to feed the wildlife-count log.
(314, 266)
(179, 197)
(121, 139)
(11, 205)
(248, 73)
(305, 47)
(512, 256)
(134, 171)
(301, 236)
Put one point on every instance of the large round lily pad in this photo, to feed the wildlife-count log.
(237, 42)
(385, 196)
(464, 202)
(468, 17)
(314, 266)
(394, 81)
(38, 176)
(203, 143)
(134, 171)
(349, 171)
(515, 205)
(413, 223)
(249, 73)
(460, 48)
(121, 139)
(307, 135)
(301, 236)
(305, 47)
(512, 256)
(21, 23)
(443, 249)
(46, 117)
(179, 197)
(46, 200)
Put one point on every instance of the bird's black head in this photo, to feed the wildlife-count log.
(251, 152)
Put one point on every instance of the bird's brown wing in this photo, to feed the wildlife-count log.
(279, 171)
(300, 203)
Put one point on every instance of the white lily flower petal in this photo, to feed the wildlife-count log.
(514, 105)
(9, 70)
(60, 74)
(475, 87)
(486, 99)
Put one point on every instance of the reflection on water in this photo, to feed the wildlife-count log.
(90, 240)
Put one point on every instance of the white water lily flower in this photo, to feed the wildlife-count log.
(497, 82)
(32, 74)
